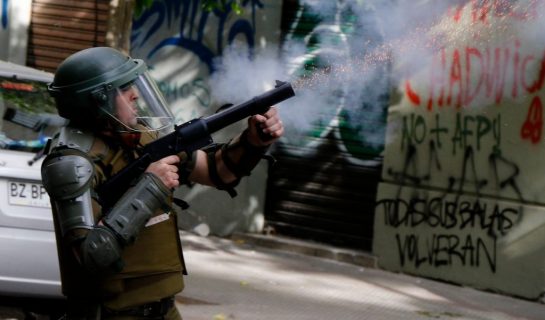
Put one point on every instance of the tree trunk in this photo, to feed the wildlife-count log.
(120, 25)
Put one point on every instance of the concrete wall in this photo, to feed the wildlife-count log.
(462, 198)
(180, 42)
(14, 22)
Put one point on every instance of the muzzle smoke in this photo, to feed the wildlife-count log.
(359, 53)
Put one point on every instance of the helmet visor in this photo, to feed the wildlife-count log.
(139, 106)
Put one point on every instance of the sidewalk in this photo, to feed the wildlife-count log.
(260, 278)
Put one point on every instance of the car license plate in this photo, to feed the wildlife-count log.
(27, 194)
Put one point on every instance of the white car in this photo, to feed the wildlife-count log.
(28, 256)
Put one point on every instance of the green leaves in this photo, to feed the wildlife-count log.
(206, 5)
(222, 5)
(141, 5)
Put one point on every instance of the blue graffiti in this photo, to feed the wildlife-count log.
(5, 4)
(192, 27)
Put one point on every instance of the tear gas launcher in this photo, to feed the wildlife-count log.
(189, 137)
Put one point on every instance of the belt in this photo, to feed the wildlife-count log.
(149, 310)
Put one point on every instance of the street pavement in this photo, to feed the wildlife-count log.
(256, 277)
(249, 278)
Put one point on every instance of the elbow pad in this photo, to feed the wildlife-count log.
(102, 248)
(67, 179)
(101, 251)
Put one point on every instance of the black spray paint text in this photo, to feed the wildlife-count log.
(448, 214)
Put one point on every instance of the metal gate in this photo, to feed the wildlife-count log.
(325, 190)
(322, 198)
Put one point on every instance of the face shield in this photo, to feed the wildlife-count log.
(139, 106)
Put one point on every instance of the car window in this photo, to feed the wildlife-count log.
(29, 116)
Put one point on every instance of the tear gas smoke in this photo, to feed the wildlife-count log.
(360, 51)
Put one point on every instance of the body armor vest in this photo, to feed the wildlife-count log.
(153, 264)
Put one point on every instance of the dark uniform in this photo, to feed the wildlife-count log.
(153, 265)
(125, 261)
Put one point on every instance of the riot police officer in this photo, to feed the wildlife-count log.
(126, 260)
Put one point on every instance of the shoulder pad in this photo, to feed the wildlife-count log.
(66, 176)
(73, 138)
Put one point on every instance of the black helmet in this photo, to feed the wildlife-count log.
(87, 82)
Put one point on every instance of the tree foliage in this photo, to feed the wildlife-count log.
(122, 13)
(208, 5)
(221, 5)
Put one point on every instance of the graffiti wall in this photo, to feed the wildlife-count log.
(341, 93)
(462, 198)
(323, 186)
(14, 22)
(180, 44)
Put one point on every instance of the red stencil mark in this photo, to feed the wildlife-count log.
(533, 126)
(413, 96)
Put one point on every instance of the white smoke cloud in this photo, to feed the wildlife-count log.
(240, 76)
(363, 49)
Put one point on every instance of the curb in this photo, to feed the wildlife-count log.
(355, 257)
